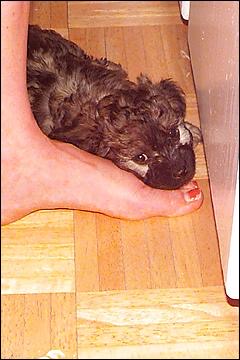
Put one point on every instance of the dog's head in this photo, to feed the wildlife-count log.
(145, 133)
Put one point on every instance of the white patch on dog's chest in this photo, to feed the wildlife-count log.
(139, 169)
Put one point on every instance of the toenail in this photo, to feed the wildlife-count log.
(192, 195)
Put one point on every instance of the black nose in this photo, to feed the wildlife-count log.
(179, 173)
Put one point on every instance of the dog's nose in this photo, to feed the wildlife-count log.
(179, 173)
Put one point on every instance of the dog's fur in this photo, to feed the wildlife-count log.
(91, 104)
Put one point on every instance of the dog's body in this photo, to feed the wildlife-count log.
(91, 104)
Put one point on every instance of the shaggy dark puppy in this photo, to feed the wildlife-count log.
(91, 104)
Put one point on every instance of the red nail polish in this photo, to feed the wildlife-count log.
(193, 195)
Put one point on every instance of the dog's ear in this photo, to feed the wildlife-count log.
(113, 109)
(196, 133)
(168, 90)
(105, 106)
(174, 95)
(64, 112)
(166, 94)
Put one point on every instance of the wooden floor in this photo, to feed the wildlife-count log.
(96, 287)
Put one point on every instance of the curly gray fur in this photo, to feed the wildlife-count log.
(91, 104)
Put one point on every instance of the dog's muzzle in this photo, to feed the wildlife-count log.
(174, 172)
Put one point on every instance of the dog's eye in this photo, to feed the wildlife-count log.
(141, 158)
(174, 132)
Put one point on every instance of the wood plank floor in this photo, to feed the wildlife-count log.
(95, 287)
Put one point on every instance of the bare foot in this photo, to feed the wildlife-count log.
(39, 173)
(127, 197)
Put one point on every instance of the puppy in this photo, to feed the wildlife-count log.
(91, 104)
